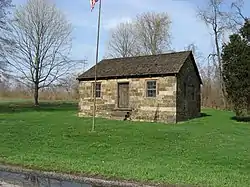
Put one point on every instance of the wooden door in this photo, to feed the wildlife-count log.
(123, 95)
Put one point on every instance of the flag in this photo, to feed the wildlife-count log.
(92, 3)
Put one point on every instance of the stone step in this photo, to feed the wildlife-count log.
(120, 113)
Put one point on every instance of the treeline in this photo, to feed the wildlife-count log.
(37, 49)
(150, 33)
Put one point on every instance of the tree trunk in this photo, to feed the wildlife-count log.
(36, 95)
(221, 81)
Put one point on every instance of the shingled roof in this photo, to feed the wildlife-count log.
(139, 66)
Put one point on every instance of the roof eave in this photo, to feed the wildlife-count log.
(126, 76)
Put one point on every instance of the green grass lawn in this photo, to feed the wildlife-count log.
(213, 150)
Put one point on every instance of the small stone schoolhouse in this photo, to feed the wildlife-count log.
(160, 88)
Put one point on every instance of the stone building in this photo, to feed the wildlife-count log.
(162, 88)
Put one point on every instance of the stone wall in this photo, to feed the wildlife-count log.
(188, 107)
(161, 108)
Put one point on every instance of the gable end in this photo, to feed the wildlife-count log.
(191, 56)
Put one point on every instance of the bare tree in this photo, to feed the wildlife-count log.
(219, 22)
(199, 58)
(5, 5)
(238, 18)
(148, 34)
(70, 85)
(42, 37)
(153, 32)
(122, 41)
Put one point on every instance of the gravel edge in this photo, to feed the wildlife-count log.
(80, 179)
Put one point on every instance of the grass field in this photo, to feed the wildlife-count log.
(213, 150)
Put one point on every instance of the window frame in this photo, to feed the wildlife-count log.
(151, 89)
(192, 94)
(95, 90)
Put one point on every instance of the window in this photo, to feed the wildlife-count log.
(97, 89)
(192, 90)
(185, 90)
(151, 88)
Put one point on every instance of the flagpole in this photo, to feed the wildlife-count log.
(96, 61)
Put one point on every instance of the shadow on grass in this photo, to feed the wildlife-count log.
(202, 115)
(241, 119)
(44, 106)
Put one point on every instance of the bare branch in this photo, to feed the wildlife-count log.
(149, 33)
(220, 22)
(5, 5)
(153, 32)
(123, 41)
(238, 6)
(42, 37)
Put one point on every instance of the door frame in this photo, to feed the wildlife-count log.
(118, 83)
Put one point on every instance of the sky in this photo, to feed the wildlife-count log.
(186, 27)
